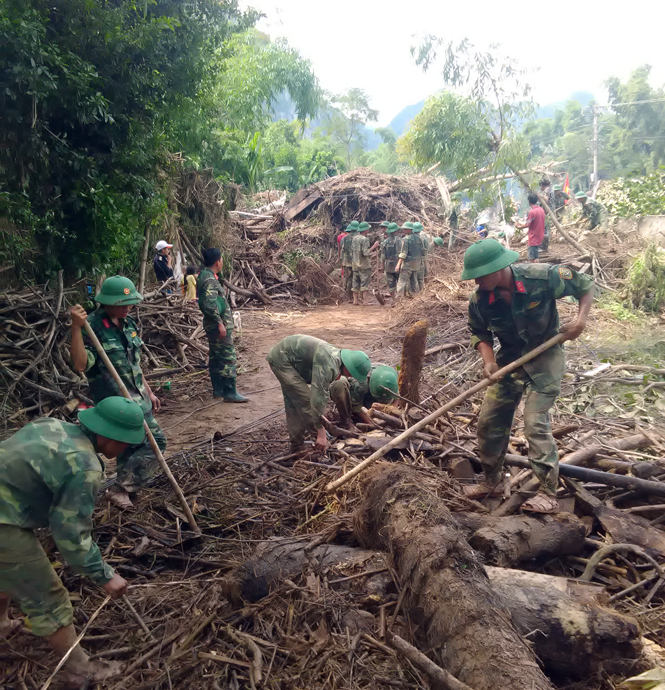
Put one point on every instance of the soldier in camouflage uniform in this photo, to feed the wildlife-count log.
(455, 213)
(305, 367)
(353, 397)
(390, 248)
(347, 258)
(517, 304)
(560, 199)
(49, 477)
(118, 334)
(218, 325)
(592, 210)
(362, 265)
(425, 239)
(547, 193)
(410, 262)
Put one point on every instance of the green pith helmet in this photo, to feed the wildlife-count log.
(357, 362)
(118, 291)
(385, 224)
(116, 418)
(407, 226)
(581, 195)
(380, 379)
(557, 188)
(485, 257)
(418, 227)
(363, 226)
(392, 227)
(352, 226)
(438, 241)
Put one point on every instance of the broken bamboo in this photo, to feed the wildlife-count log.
(332, 486)
(151, 439)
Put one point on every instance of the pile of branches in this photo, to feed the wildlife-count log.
(315, 284)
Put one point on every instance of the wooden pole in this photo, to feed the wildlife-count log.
(332, 486)
(144, 259)
(151, 439)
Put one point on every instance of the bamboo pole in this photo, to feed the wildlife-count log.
(144, 258)
(151, 439)
(332, 486)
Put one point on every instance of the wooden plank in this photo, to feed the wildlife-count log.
(301, 201)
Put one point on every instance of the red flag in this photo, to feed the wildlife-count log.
(566, 187)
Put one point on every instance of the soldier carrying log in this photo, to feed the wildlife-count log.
(517, 304)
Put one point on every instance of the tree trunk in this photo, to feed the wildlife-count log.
(413, 353)
(144, 259)
(469, 632)
(508, 541)
(573, 634)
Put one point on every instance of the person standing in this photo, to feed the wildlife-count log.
(305, 368)
(118, 334)
(560, 199)
(352, 397)
(425, 239)
(362, 265)
(390, 248)
(49, 477)
(535, 222)
(218, 326)
(346, 249)
(547, 193)
(516, 303)
(455, 212)
(189, 283)
(410, 261)
(162, 261)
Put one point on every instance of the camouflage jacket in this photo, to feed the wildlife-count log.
(212, 302)
(593, 211)
(360, 395)
(317, 362)
(412, 252)
(390, 248)
(530, 320)
(49, 477)
(347, 254)
(360, 252)
(549, 196)
(426, 240)
(123, 347)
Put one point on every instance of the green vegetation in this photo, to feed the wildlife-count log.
(626, 197)
(645, 287)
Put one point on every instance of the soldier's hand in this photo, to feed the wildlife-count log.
(572, 330)
(221, 328)
(116, 587)
(156, 402)
(321, 440)
(79, 316)
(489, 369)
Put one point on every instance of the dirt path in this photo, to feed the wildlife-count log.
(190, 413)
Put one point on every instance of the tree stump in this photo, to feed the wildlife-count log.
(413, 353)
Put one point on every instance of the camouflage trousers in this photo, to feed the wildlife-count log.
(361, 278)
(137, 464)
(407, 284)
(391, 279)
(420, 279)
(300, 417)
(496, 418)
(27, 576)
(348, 281)
(340, 394)
(222, 355)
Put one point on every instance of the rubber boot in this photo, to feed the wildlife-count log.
(230, 393)
(218, 385)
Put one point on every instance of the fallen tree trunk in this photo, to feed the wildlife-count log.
(254, 294)
(573, 634)
(467, 628)
(508, 541)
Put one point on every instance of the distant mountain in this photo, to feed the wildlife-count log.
(582, 97)
(400, 123)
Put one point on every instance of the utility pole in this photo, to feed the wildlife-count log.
(594, 179)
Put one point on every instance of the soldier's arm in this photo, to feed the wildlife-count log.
(324, 372)
(566, 282)
(77, 351)
(70, 519)
(208, 301)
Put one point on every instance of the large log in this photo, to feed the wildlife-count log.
(468, 630)
(573, 634)
(509, 541)
(413, 353)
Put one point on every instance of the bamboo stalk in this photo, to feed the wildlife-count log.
(332, 486)
(151, 439)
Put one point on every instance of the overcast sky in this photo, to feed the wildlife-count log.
(568, 46)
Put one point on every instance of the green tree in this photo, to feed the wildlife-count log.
(346, 117)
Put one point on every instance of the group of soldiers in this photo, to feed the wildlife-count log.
(402, 258)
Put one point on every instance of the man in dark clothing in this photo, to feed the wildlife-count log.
(161, 263)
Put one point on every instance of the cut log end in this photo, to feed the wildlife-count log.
(413, 353)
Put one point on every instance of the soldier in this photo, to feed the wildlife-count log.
(517, 304)
(218, 325)
(352, 397)
(118, 334)
(390, 248)
(347, 258)
(454, 216)
(49, 477)
(410, 261)
(305, 367)
(560, 199)
(426, 240)
(362, 265)
(438, 241)
(547, 193)
(592, 210)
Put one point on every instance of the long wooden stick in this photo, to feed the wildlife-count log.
(332, 486)
(151, 439)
